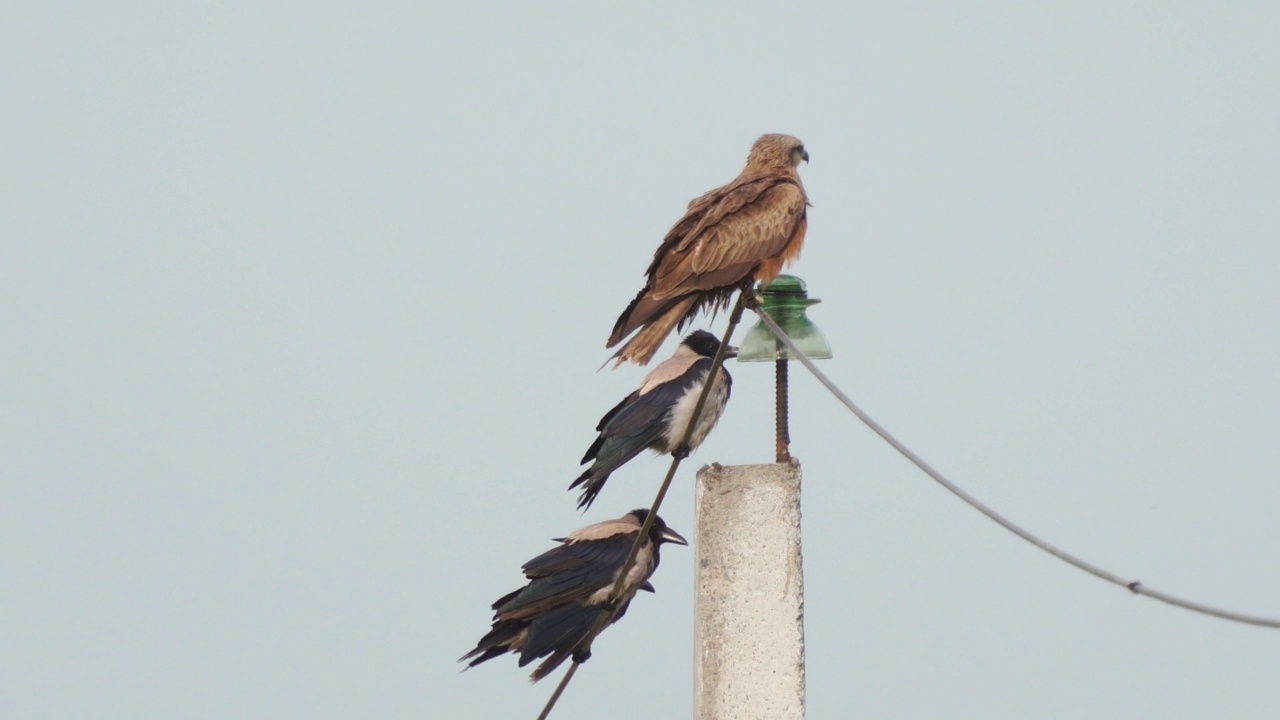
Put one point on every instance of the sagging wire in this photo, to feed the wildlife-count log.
(1133, 586)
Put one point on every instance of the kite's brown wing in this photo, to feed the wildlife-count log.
(726, 241)
(731, 241)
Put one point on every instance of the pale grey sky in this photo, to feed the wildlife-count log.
(302, 306)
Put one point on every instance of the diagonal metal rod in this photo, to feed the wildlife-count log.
(680, 452)
(1133, 586)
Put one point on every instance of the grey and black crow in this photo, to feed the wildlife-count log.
(567, 591)
(656, 415)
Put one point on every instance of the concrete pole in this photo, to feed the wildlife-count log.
(749, 594)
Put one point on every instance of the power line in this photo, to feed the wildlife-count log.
(1133, 586)
(682, 451)
(678, 454)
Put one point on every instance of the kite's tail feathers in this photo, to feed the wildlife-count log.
(633, 317)
(641, 348)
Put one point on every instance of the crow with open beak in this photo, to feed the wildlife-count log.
(569, 589)
(656, 415)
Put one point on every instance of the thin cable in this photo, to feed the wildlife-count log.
(678, 454)
(1133, 586)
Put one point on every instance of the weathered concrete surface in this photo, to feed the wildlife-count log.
(748, 594)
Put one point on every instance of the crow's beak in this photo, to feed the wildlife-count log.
(731, 351)
(671, 536)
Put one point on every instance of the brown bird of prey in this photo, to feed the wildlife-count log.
(567, 591)
(656, 416)
(728, 239)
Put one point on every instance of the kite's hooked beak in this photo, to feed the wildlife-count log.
(804, 155)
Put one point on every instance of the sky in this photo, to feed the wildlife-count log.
(303, 305)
